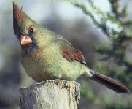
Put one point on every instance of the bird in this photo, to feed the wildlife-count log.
(46, 55)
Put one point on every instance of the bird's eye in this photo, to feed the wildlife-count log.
(30, 30)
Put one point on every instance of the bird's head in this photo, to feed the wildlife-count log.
(24, 28)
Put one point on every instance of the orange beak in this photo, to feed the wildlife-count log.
(25, 40)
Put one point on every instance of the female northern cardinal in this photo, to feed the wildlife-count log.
(46, 56)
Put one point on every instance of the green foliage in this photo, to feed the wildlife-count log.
(86, 91)
(101, 66)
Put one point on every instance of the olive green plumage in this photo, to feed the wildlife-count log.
(49, 56)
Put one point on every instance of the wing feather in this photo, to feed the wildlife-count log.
(69, 52)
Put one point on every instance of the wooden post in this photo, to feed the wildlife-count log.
(51, 94)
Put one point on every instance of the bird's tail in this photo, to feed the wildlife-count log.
(109, 82)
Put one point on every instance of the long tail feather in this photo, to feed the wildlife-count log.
(110, 83)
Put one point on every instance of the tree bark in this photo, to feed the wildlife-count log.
(51, 94)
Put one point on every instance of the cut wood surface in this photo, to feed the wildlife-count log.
(51, 94)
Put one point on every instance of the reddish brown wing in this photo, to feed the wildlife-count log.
(70, 53)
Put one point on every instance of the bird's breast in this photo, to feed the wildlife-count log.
(34, 65)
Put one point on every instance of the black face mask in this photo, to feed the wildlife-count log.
(29, 49)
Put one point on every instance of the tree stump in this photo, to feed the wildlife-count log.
(51, 94)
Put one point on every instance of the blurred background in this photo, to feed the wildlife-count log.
(100, 28)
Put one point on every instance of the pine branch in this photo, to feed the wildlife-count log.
(103, 20)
